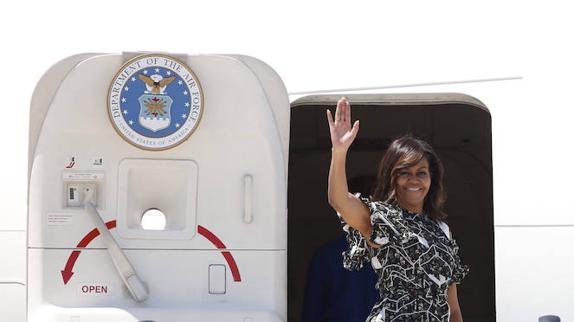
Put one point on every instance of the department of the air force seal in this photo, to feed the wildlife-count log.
(155, 102)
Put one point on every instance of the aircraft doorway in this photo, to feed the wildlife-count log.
(457, 126)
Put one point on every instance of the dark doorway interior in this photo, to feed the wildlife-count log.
(457, 126)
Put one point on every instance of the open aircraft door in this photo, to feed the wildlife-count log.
(459, 129)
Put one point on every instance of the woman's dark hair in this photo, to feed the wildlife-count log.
(406, 151)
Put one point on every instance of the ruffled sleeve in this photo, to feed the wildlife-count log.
(459, 270)
(359, 251)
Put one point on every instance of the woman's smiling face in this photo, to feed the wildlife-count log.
(412, 186)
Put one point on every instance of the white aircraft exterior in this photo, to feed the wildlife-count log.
(525, 239)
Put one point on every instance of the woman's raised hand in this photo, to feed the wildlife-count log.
(342, 134)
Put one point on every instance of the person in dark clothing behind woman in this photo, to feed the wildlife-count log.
(332, 293)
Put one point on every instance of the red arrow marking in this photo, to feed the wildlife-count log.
(232, 266)
(93, 234)
(220, 245)
(210, 236)
(67, 272)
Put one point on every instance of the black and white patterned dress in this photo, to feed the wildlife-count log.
(417, 262)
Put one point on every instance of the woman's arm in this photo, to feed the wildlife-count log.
(351, 209)
(455, 314)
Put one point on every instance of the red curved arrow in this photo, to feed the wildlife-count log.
(220, 245)
(67, 272)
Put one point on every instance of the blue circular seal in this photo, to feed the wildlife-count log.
(155, 102)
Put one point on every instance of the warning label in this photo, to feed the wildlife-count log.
(59, 219)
